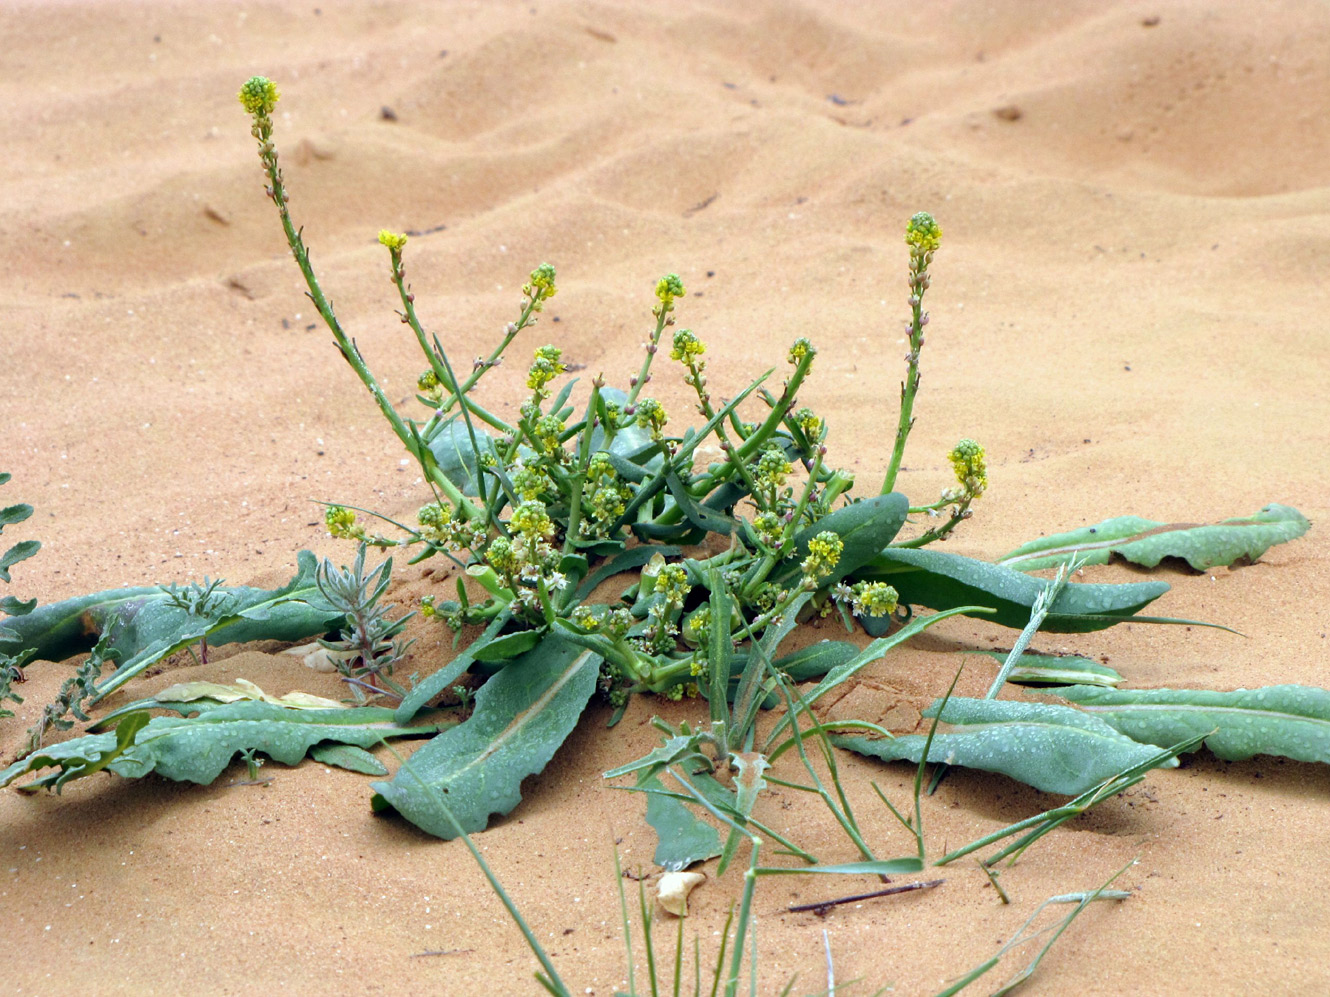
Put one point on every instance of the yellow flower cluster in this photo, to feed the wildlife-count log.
(541, 288)
(923, 234)
(546, 368)
(393, 240)
(824, 551)
(686, 346)
(967, 460)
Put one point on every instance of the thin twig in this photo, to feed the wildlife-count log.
(823, 907)
(421, 955)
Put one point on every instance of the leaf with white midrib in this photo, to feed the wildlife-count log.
(1057, 749)
(1292, 721)
(522, 715)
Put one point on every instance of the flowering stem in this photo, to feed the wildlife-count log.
(262, 131)
(791, 528)
(438, 359)
(698, 381)
(492, 360)
(923, 237)
(908, 390)
(663, 318)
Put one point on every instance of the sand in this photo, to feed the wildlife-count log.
(1128, 310)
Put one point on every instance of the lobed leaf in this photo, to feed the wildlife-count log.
(522, 715)
(198, 749)
(1056, 749)
(145, 628)
(941, 581)
(1292, 721)
(1146, 542)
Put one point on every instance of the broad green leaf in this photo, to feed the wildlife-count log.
(865, 528)
(1037, 668)
(1146, 542)
(456, 458)
(720, 648)
(522, 715)
(1292, 721)
(145, 629)
(940, 581)
(349, 757)
(198, 749)
(682, 838)
(1056, 749)
(701, 516)
(448, 675)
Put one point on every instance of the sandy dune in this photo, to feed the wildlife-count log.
(1128, 310)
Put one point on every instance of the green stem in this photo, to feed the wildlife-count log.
(696, 379)
(918, 319)
(644, 374)
(961, 514)
(583, 461)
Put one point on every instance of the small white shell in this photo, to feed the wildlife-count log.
(673, 889)
(316, 656)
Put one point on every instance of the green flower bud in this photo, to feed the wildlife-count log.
(546, 368)
(923, 234)
(668, 288)
(799, 349)
(259, 96)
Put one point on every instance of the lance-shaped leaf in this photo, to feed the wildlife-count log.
(145, 628)
(198, 749)
(1292, 721)
(521, 717)
(1038, 668)
(942, 581)
(1146, 542)
(1056, 749)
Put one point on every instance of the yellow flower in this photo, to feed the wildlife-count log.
(393, 240)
